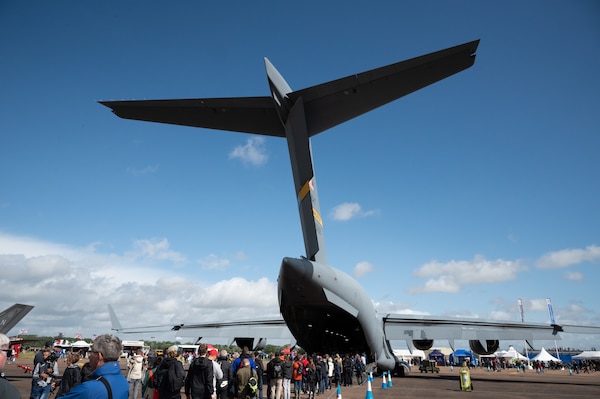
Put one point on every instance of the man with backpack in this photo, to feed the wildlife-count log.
(275, 373)
(170, 376)
(246, 381)
(199, 381)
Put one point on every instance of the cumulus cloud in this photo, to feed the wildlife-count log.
(350, 210)
(253, 152)
(450, 277)
(363, 268)
(156, 249)
(147, 285)
(569, 257)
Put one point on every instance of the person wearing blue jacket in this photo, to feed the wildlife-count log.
(106, 381)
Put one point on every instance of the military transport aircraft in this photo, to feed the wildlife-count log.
(11, 316)
(324, 309)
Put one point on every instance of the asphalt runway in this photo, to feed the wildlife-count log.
(489, 385)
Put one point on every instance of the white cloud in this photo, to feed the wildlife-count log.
(574, 276)
(155, 249)
(71, 288)
(568, 257)
(253, 152)
(452, 276)
(363, 268)
(213, 262)
(398, 308)
(350, 210)
(143, 171)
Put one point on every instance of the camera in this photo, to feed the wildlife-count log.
(52, 358)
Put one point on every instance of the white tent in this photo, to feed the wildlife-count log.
(405, 355)
(544, 356)
(80, 344)
(587, 355)
(514, 354)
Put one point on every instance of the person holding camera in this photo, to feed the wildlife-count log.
(44, 373)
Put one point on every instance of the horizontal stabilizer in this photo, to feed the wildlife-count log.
(242, 114)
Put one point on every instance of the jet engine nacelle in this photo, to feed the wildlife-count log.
(423, 344)
(491, 346)
(249, 343)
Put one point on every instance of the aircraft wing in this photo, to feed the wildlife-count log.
(257, 329)
(11, 316)
(411, 328)
(403, 327)
(242, 114)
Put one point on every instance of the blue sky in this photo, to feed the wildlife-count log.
(455, 200)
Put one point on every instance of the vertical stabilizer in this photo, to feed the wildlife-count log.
(116, 324)
(293, 117)
(11, 316)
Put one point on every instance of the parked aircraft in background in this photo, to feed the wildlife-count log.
(324, 309)
(11, 316)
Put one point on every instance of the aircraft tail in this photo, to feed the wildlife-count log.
(116, 324)
(299, 115)
(293, 117)
(12, 315)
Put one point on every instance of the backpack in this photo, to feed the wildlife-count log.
(300, 369)
(167, 377)
(252, 385)
(277, 370)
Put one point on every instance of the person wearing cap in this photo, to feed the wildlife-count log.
(7, 391)
(106, 372)
(199, 381)
(217, 372)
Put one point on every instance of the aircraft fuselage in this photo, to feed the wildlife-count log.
(327, 311)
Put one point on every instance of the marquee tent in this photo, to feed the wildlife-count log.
(460, 355)
(513, 354)
(405, 355)
(544, 356)
(438, 356)
(80, 344)
(587, 355)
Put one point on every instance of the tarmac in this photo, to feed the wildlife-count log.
(445, 384)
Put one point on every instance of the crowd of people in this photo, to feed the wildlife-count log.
(214, 375)
(209, 374)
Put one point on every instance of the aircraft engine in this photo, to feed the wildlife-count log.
(491, 346)
(423, 344)
(249, 342)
